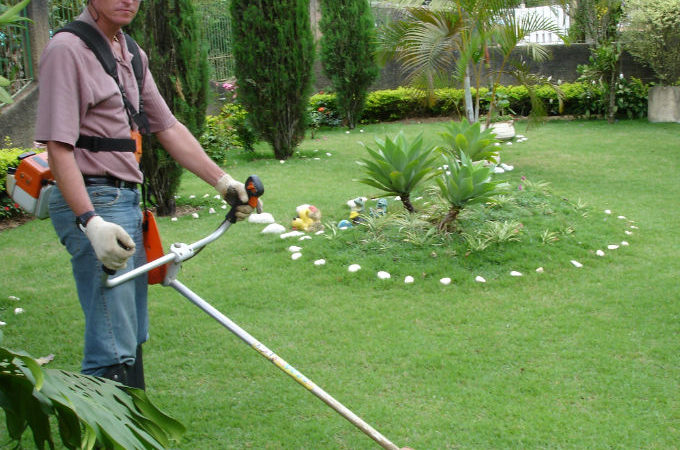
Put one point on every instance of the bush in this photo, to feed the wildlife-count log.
(8, 158)
(227, 131)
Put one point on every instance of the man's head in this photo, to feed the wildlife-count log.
(113, 14)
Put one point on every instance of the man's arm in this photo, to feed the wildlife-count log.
(187, 151)
(68, 177)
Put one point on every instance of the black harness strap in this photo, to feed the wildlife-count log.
(102, 50)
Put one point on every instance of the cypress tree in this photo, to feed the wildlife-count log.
(168, 30)
(347, 53)
(273, 54)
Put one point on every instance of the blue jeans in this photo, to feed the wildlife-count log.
(116, 319)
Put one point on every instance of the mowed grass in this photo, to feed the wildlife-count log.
(569, 358)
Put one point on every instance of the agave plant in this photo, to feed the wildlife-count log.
(464, 183)
(398, 166)
(469, 138)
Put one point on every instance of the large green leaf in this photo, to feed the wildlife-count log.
(89, 410)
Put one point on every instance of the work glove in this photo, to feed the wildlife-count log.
(111, 243)
(234, 193)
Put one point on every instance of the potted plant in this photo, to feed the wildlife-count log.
(654, 25)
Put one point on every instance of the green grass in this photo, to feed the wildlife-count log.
(568, 358)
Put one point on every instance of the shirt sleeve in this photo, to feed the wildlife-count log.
(63, 94)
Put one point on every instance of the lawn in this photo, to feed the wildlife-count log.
(570, 357)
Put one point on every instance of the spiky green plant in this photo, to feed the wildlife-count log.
(469, 138)
(463, 183)
(398, 166)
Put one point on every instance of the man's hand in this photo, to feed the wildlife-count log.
(111, 243)
(234, 193)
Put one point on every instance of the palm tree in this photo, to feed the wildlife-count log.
(453, 40)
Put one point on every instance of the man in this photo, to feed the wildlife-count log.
(95, 210)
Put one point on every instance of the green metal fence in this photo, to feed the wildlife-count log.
(216, 28)
(63, 12)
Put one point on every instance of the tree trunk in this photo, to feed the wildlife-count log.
(406, 200)
(450, 217)
(611, 109)
(469, 110)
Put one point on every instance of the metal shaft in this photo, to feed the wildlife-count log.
(283, 365)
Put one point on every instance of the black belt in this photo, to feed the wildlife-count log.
(108, 181)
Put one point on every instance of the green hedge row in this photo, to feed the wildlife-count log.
(580, 99)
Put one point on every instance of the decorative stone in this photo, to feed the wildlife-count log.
(261, 218)
(296, 255)
(319, 262)
(540, 270)
(599, 253)
(293, 233)
(408, 279)
(624, 243)
(612, 246)
(576, 264)
(274, 228)
(445, 281)
(514, 273)
(354, 268)
(480, 279)
(294, 248)
(384, 275)
(18, 311)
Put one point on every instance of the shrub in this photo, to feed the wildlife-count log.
(227, 131)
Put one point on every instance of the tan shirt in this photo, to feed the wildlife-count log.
(77, 96)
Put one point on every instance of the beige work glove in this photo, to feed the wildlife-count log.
(234, 193)
(111, 243)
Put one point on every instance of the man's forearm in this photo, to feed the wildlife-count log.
(68, 177)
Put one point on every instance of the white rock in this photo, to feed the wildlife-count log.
(634, 227)
(296, 255)
(224, 206)
(599, 253)
(347, 132)
(354, 268)
(13, 297)
(445, 281)
(195, 215)
(304, 238)
(624, 243)
(520, 136)
(2, 324)
(607, 211)
(408, 279)
(294, 248)
(206, 195)
(261, 218)
(540, 270)
(274, 228)
(293, 233)
(319, 232)
(192, 196)
(498, 170)
(628, 232)
(217, 197)
(480, 279)
(384, 275)
(621, 217)
(514, 273)
(612, 246)
(507, 167)
(397, 199)
(361, 131)
(576, 264)
(174, 219)
(497, 144)
(329, 154)
(282, 161)
(317, 159)
(211, 211)
(509, 143)
(319, 262)
(18, 310)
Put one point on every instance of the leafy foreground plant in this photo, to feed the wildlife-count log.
(398, 166)
(89, 410)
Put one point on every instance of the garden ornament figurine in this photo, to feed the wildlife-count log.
(380, 209)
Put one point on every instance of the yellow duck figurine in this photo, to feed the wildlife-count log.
(309, 219)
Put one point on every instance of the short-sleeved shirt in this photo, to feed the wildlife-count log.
(77, 97)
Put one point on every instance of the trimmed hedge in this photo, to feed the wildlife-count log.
(580, 99)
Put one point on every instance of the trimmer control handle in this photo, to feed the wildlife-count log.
(255, 189)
